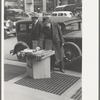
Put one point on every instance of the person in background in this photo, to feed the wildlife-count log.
(9, 24)
(36, 30)
(53, 39)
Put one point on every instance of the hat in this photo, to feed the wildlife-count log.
(46, 19)
(35, 15)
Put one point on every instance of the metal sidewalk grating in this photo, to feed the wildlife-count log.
(78, 94)
(12, 71)
(57, 84)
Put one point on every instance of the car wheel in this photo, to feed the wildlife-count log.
(72, 53)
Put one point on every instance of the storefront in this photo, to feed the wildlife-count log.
(38, 5)
(45, 5)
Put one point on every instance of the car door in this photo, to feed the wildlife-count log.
(23, 33)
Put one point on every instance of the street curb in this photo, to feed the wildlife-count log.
(22, 64)
(15, 63)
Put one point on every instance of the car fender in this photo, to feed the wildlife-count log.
(18, 47)
(74, 45)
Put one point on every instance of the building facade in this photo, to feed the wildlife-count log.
(40, 5)
(63, 2)
(43, 5)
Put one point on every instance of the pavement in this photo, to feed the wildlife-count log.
(17, 92)
(9, 44)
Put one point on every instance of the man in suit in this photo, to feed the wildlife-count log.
(36, 29)
(53, 39)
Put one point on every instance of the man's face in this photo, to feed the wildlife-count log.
(34, 19)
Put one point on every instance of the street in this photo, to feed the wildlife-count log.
(71, 71)
(34, 78)
(15, 71)
(9, 44)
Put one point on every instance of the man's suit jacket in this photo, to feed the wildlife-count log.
(36, 30)
(36, 33)
(57, 41)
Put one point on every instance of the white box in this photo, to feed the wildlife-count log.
(39, 69)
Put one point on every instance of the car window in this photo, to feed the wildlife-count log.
(54, 14)
(70, 28)
(60, 14)
(22, 27)
(65, 14)
(20, 14)
(71, 14)
(12, 13)
(30, 14)
(16, 14)
(30, 26)
(24, 15)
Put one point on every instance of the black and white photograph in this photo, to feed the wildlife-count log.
(43, 49)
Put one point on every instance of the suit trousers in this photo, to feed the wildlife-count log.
(49, 46)
(53, 60)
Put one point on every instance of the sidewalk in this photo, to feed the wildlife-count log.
(14, 63)
(13, 91)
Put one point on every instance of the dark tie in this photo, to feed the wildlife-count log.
(33, 25)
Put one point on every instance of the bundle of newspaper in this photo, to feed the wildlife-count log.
(38, 55)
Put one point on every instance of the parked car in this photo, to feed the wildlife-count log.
(12, 13)
(73, 41)
(26, 15)
(73, 44)
(62, 14)
(9, 29)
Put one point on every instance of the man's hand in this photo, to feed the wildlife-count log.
(62, 44)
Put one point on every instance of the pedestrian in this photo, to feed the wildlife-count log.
(36, 30)
(53, 39)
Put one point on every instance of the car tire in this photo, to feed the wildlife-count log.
(72, 53)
